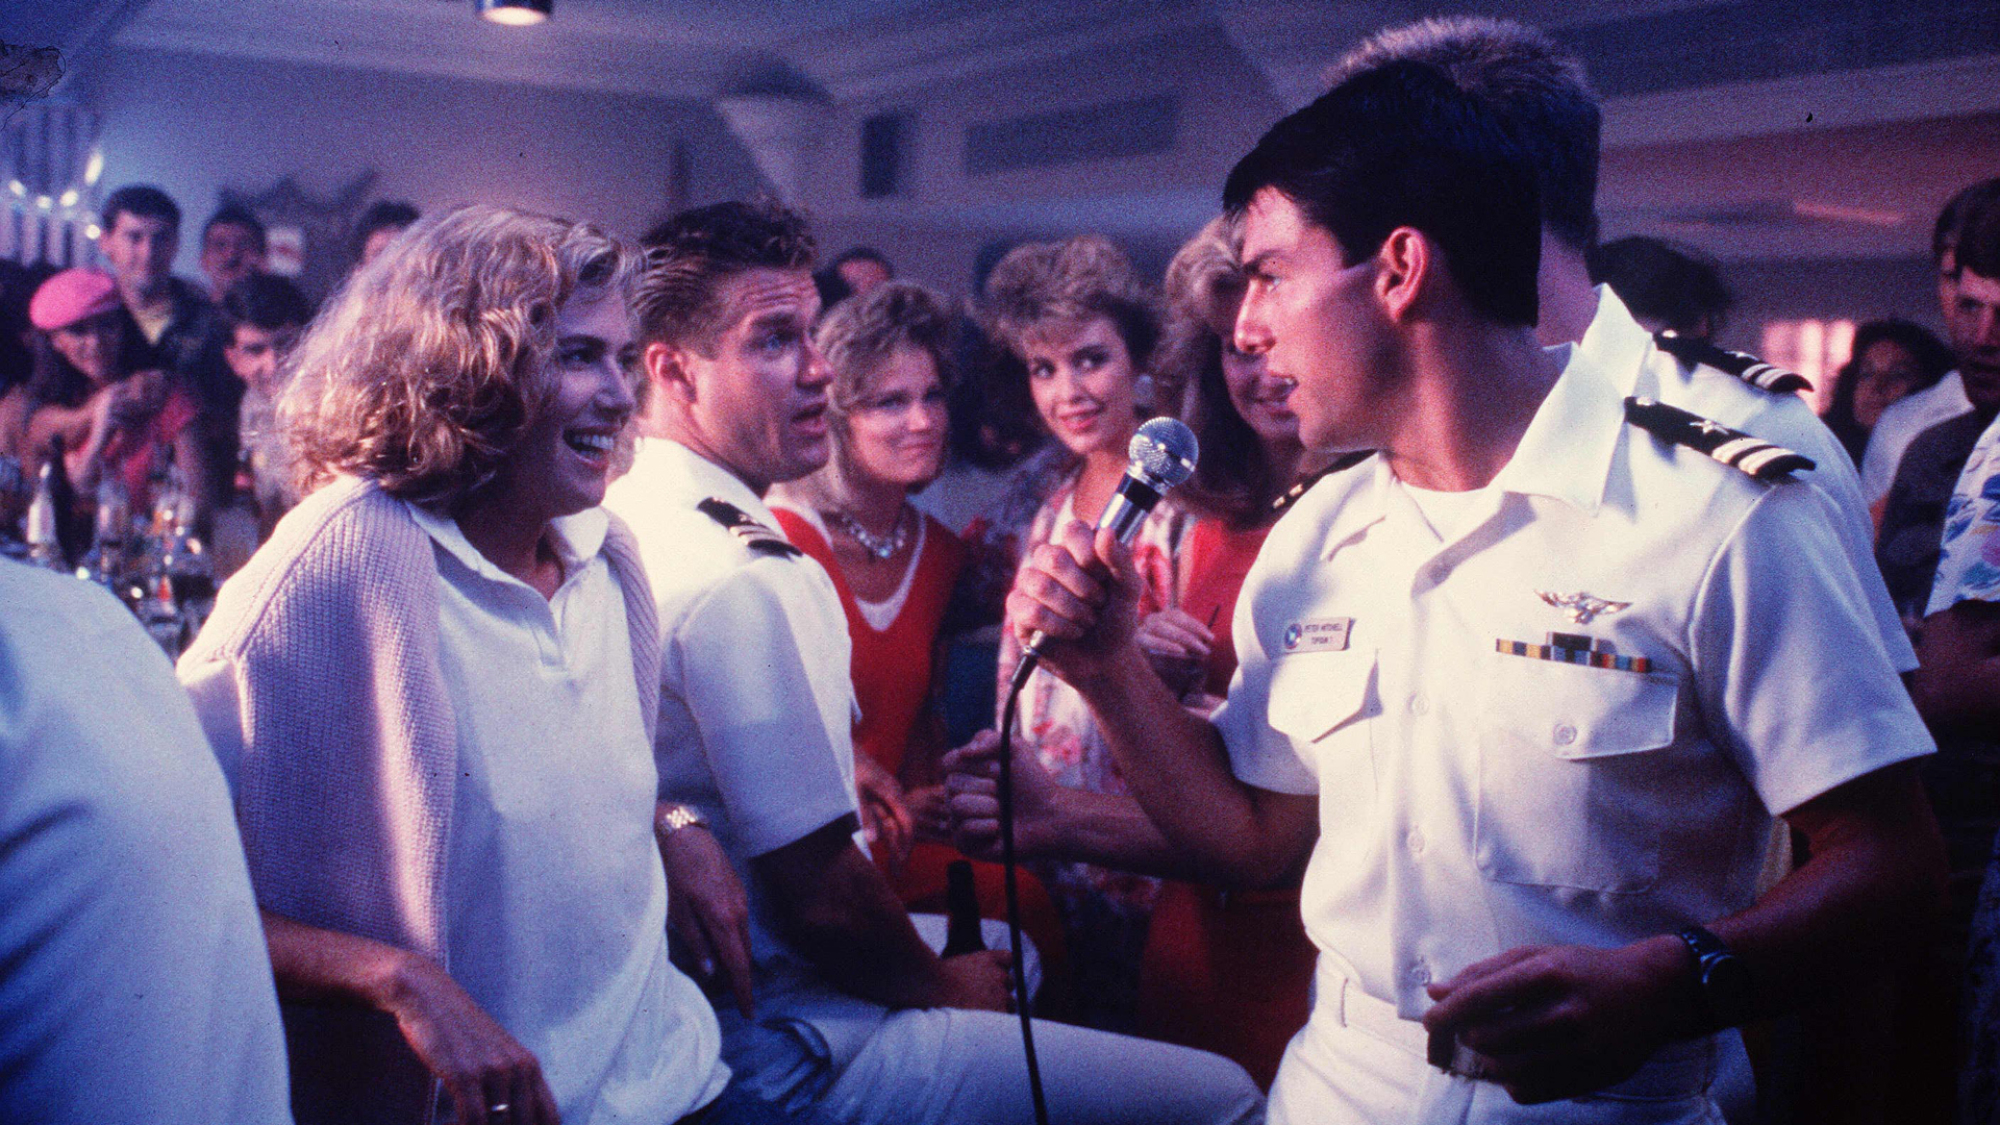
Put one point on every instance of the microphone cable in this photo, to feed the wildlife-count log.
(1161, 455)
(1022, 673)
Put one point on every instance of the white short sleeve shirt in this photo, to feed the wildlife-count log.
(1617, 346)
(756, 701)
(1573, 721)
(137, 986)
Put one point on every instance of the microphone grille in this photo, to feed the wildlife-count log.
(1164, 452)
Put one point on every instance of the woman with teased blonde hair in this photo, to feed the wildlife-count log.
(433, 689)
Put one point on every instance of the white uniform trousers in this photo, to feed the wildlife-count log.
(1356, 1062)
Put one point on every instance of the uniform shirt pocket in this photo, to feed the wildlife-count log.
(1322, 703)
(1570, 763)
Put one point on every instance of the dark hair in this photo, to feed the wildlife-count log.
(1664, 282)
(833, 288)
(143, 200)
(1401, 146)
(863, 254)
(381, 215)
(264, 301)
(1951, 218)
(1978, 246)
(235, 215)
(1539, 91)
(1934, 358)
(692, 253)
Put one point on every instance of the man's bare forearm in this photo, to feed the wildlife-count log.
(1175, 764)
(843, 915)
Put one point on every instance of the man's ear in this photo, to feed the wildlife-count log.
(1407, 261)
(666, 371)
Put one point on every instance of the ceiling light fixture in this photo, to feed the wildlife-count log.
(515, 13)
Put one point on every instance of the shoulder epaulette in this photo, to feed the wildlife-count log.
(742, 525)
(1759, 458)
(1345, 461)
(1764, 376)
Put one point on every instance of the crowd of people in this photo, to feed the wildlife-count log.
(1528, 711)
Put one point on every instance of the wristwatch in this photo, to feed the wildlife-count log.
(672, 818)
(1722, 977)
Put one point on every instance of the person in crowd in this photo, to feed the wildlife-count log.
(755, 728)
(1930, 513)
(108, 421)
(1668, 288)
(1085, 331)
(863, 268)
(1532, 859)
(233, 245)
(1890, 360)
(1957, 687)
(890, 354)
(432, 693)
(178, 330)
(1914, 512)
(265, 315)
(136, 987)
(1226, 971)
(380, 224)
(141, 234)
(1945, 399)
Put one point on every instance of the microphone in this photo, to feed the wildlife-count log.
(1161, 455)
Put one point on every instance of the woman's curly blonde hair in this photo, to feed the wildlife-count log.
(425, 369)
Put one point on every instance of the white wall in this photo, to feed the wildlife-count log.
(197, 124)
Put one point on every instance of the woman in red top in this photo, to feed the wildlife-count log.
(894, 568)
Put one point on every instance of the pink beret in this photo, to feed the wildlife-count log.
(72, 296)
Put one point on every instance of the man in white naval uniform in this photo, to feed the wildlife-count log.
(1543, 96)
(854, 1012)
(1525, 689)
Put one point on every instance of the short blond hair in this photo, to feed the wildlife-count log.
(426, 368)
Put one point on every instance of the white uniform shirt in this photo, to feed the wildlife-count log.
(756, 704)
(136, 984)
(1473, 800)
(1618, 346)
(558, 903)
(1900, 424)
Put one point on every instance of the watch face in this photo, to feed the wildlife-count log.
(1725, 983)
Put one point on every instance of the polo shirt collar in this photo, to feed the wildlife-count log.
(577, 539)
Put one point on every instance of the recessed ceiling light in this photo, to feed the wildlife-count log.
(515, 13)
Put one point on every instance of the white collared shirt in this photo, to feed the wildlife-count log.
(1900, 424)
(1473, 800)
(756, 701)
(1620, 348)
(558, 901)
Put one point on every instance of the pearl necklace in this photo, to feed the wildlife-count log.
(882, 547)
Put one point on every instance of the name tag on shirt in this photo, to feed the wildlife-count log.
(1318, 634)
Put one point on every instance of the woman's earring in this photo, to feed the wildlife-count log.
(1143, 392)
